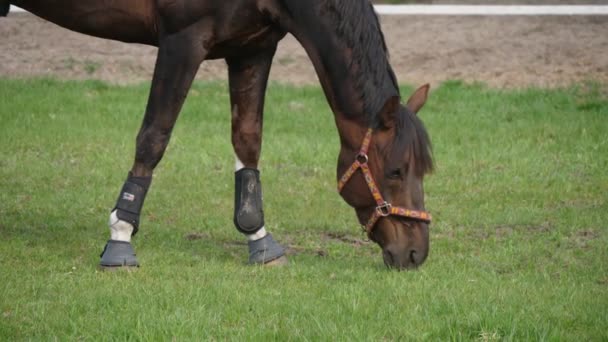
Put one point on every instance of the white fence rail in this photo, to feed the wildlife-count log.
(480, 9)
(492, 9)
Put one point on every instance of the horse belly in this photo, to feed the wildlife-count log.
(234, 27)
(247, 42)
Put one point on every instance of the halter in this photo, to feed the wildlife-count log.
(383, 208)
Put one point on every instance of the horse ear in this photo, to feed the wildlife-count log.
(389, 111)
(418, 98)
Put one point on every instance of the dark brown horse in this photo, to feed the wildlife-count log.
(385, 150)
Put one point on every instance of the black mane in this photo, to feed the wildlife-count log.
(349, 30)
(349, 39)
(359, 28)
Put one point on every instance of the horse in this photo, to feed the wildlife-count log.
(385, 150)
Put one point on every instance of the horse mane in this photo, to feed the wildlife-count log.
(358, 27)
(354, 26)
(351, 46)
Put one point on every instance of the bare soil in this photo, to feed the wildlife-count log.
(500, 51)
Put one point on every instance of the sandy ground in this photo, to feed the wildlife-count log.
(500, 51)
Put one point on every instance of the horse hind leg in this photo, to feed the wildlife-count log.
(5, 6)
(179, 57)
(248, 77)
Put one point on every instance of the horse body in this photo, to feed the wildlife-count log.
(226, 27)
(346, 46)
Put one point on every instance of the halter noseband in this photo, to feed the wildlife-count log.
(383, 208)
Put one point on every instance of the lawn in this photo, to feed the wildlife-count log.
(518, 246)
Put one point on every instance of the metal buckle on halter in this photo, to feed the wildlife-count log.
(384, 209)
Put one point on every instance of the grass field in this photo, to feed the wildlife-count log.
(518, 247)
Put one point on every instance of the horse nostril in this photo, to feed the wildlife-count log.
(402, 258)
(416, 257)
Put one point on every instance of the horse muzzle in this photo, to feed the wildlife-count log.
(404, 246)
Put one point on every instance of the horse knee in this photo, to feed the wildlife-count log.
(150, 147)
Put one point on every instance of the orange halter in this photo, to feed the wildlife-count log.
(383, 208)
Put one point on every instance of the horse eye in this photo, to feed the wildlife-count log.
(395, 174)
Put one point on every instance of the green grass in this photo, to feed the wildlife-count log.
(518, 243)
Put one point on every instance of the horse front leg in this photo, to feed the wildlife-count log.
(248, 78)
(179, 57)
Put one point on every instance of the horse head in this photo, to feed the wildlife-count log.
(384, 183)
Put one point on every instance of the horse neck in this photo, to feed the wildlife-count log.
(356, 77)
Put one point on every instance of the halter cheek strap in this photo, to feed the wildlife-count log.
(383, 208)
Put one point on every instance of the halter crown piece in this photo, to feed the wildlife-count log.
(383, 208)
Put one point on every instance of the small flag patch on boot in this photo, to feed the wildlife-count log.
(127, 196)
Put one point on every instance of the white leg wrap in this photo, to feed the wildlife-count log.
(238, 164)
(119, 230)
(258, 235)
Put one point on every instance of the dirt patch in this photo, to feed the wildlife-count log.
(499, 51)
(500, 232)
(582, 238)
(196, 236)
(344, 238)
(507, 230)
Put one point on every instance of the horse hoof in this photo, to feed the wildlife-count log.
(118, 255)
(118, 268)
(266, 251)
(280, 261)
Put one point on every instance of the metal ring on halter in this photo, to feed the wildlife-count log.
(384, 209)
(362, 158)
